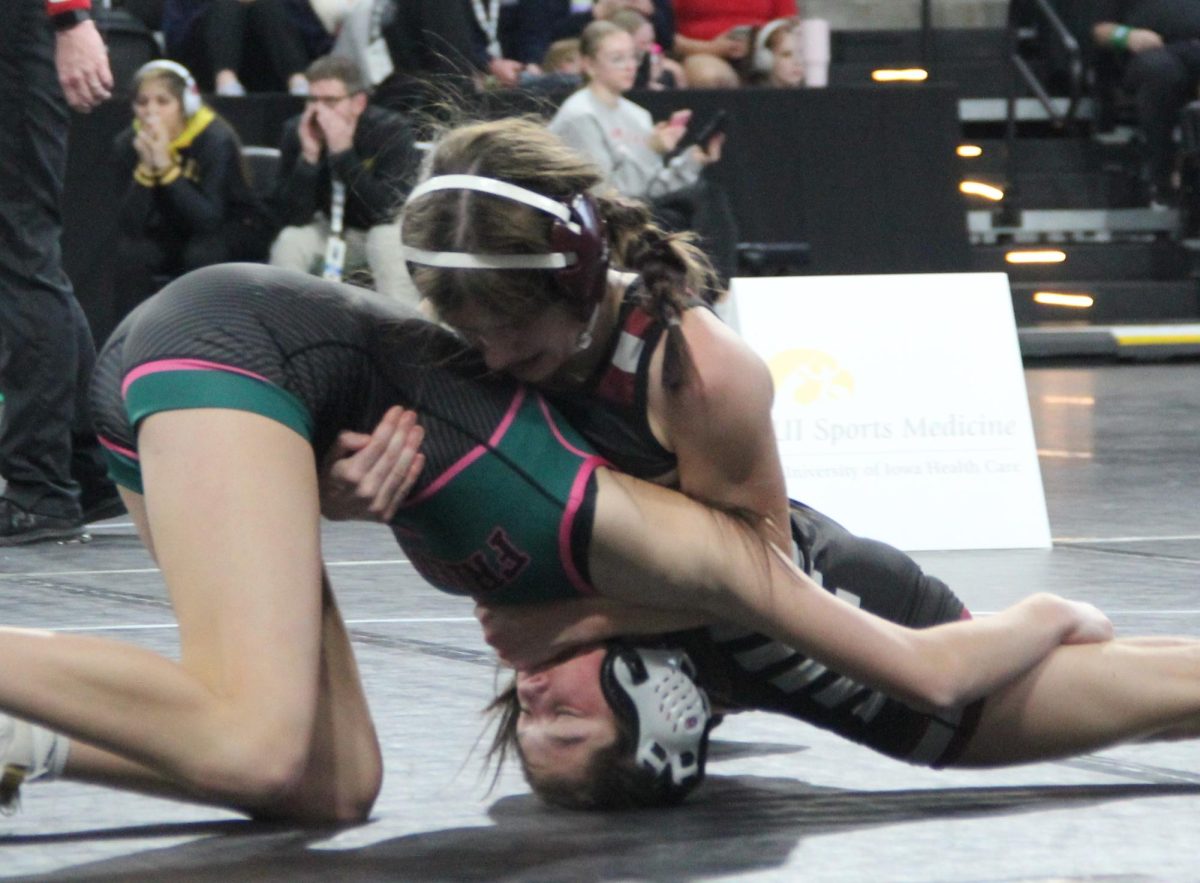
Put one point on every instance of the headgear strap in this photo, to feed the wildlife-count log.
(578, 238)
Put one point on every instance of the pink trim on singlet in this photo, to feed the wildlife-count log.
(558, 435)
(116, 448)
(182, 365)
(966, 614)
(574, 502)
(472, 455)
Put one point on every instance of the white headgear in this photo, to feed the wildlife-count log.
(654, 691)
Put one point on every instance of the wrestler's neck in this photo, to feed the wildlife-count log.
(576, 371)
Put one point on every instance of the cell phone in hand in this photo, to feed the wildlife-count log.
(699, 135)
(714, 126)
(740, 32)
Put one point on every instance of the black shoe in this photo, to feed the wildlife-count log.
(18, 525)
(101, 505)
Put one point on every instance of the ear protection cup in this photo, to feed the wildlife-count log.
(764, 58)
(584, 282)
(654, 692)
(191, 92)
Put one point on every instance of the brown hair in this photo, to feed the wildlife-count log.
(561, 52)
(335, 67)
(522, 151)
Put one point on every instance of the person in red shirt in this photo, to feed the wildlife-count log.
(712, 35)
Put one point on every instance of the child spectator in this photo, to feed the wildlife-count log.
(778, 56)
(713, 36)
(189, 202)
(655, 70)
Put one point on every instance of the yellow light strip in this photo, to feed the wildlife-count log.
(978, 188)
(1155, 339)
(969, 151)
(1069, 400)
(1058, 299)
(1036, 256)
(1064, 455)
(904, 75)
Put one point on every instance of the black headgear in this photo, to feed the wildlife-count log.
(578, 236)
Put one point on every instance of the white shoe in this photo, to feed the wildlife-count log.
(27, 753)
(11, 774)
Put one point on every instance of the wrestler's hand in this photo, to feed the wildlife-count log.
(367, 477)
(83, 69)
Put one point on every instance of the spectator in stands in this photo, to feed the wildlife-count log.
(655, 70)
(428, 38)
(188, 203)
(563, 58)
(638, 157)
(778, 56)
(713, 36)
(344, 162)
(229, 43)
(538, 22)
(1161, 40)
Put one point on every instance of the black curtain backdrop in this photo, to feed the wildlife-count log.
(866, 176)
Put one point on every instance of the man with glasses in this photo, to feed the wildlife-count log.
(345, 168)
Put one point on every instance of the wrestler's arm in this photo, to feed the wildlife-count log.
(655, 546)
(525, 636)
(718, 424)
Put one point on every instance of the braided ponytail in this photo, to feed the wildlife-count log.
(673, 270)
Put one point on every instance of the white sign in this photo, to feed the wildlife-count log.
(900, 405)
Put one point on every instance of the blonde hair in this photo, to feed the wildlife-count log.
(561, 52)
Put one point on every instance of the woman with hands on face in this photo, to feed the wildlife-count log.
(188, 203)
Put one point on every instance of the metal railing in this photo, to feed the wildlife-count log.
(1021, 71)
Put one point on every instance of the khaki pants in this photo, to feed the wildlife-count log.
(377, 249)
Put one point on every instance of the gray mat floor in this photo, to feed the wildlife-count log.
(1121, 446)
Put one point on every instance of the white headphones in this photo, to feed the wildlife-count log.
(764, 58)
(191, 92)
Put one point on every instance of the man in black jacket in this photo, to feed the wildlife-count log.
(345, 168)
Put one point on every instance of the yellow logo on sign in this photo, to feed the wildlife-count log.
(809, 375)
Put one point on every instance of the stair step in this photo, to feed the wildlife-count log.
(1037, 224)
(1140, 342)
(1114, 301)
(1158, 260)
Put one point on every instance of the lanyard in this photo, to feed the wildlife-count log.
(489, 20)
(335, 248)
